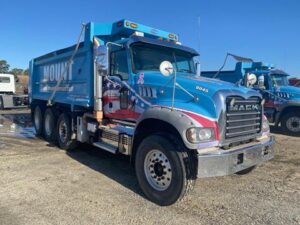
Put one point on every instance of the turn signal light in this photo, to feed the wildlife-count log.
(171, 36)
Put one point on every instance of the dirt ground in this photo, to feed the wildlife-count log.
(41, 184)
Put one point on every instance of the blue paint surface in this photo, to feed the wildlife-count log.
(77, 88)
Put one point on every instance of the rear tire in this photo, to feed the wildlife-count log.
(290, 123)
(1, 103)
(163, 172)
(38, 120)
(49, 125)
(246, 171)
(64, 133)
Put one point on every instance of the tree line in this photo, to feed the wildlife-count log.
(5, 68)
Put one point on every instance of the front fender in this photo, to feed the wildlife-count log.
(179, 119)
(285, 108)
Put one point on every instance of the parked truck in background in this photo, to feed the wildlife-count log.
(134, 90)
(282, 101)
(294, 82)
(8, 97)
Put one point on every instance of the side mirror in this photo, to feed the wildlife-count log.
(166, 68)
(261, 82)
(251, 79)
(198, 69)
(102, 60)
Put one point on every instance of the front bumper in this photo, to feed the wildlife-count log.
(226, 162)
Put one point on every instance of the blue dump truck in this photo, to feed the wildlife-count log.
(282, 101)
(134, 90)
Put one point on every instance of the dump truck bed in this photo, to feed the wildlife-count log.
(76, 87)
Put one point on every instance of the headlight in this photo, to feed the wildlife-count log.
(265, 124)
(199, 134)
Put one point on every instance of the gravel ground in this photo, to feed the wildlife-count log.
(41, 184)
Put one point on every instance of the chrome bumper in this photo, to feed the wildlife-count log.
(226, 162)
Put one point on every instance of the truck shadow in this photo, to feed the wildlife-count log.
(115, 167)
(278, 130)
(275, 130)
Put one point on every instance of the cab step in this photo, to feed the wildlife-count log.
(106, 147)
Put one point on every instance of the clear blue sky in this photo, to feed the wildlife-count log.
(265, 30)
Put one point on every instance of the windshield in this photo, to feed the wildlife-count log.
(147, 57)
(279, 80)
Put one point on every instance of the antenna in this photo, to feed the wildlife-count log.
(199, 23)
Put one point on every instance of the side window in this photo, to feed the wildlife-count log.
(4, 80)
(119, 66)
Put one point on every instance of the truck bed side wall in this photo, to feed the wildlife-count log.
(76, 89)
(229, 76)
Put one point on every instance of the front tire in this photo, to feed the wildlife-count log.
(38, 120)
(64, 133)
(290, 123)
(163, 172)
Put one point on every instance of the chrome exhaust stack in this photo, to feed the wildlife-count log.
(101, 66)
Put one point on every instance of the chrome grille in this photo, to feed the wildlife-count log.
(243, 117)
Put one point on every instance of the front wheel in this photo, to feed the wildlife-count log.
(290, 123)
(163, 172)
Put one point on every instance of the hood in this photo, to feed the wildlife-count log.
(197, 94)
(211, 86)
(288, 92)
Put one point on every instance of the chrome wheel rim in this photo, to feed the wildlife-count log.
(158, 170)
(293, 124)
(62, 131)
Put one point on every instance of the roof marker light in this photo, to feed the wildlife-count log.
(172, 36)
(133, 25)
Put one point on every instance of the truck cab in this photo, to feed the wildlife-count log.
(8, 97)
(7, 84)
(134, 90)
(282, 101)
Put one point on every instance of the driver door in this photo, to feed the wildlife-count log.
(116, 100)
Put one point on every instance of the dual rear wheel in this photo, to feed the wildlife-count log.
(1, 103)
(54, 127)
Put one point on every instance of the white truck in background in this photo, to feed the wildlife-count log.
(8, 97)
